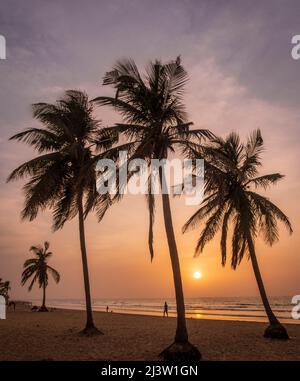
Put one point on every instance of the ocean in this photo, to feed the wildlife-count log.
(222, 308)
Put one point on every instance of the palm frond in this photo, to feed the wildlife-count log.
(266, 207)
(34, 166)
(151, 209)
(238, 243)
(41, 139)
(224, 234)
(210, 230)
(209, 205)
(38, 250)
(55, 274)
(253, 150)
(266, 180)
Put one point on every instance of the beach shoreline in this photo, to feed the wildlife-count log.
(219, 308)
(200, 316)
(27, 335)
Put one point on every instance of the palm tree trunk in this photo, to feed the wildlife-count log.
(181, 330)
(272, 318)
(43, 307)
(44, 297)
(89, 313)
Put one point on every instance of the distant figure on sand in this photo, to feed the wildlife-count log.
(107, 309)
(166, 309)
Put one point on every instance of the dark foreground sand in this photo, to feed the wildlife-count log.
(26, 335)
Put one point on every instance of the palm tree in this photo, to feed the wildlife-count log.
(155, 122)
(231, 174)
(62, 177)
(37, 269)
(4, 289)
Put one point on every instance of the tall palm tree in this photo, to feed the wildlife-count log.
(62, 177)
(155, 122)
(232, 177)
(37, 269)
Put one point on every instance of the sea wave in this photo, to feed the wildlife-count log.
(234, 308)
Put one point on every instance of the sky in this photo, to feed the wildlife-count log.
(241, 77)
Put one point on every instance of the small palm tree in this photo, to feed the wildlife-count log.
(4, 289)
(37, 269)
(155, 123)
(63, 177)
(231, 174)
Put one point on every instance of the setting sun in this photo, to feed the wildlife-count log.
(197, 275)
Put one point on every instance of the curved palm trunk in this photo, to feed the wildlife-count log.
(181, 330)
(274, 322)
(272, 318)
(89, 314)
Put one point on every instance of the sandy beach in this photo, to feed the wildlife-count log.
(27, 335)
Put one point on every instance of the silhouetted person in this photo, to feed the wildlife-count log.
(166, 309)
(107, 309)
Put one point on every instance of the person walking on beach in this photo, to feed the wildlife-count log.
(107, 308)
(166, 309)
